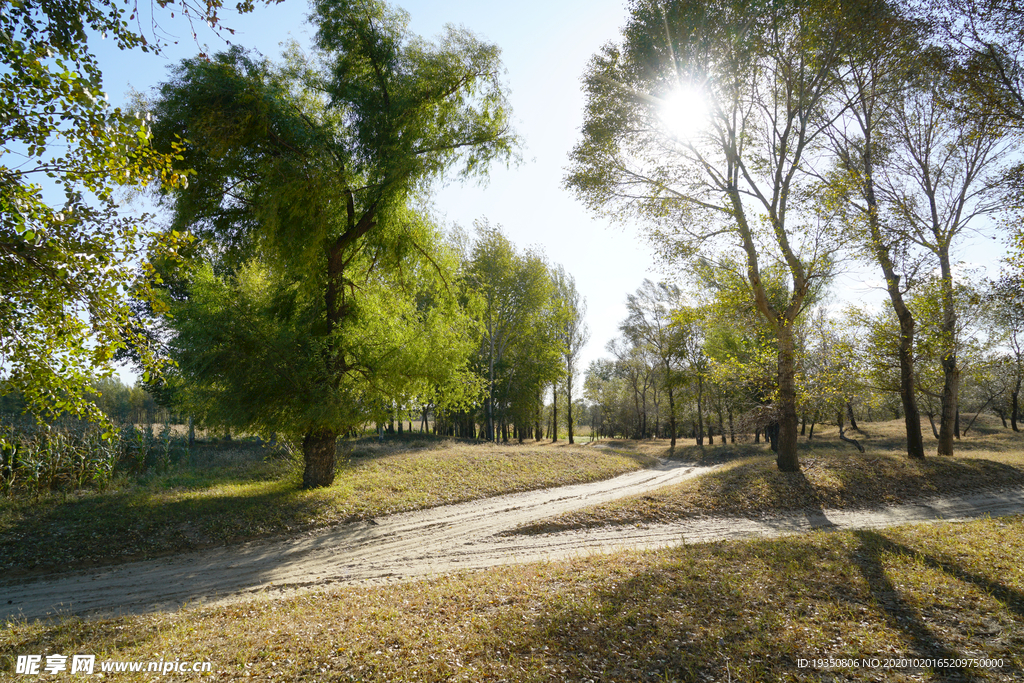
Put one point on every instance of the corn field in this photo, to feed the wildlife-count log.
(75, 455)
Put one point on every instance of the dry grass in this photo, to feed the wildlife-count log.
(730, 611)
(233, 493)
(834, 476)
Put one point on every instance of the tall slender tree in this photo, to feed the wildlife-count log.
(649, 321)
(572, 333)
(736, 181)
(945, 171)
(879, 52)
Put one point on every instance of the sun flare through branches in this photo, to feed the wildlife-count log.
(684, 112)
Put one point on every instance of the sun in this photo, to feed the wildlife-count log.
(684, 112)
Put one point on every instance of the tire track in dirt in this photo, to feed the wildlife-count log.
(436, 540)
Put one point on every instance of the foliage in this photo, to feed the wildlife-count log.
(243, 344)
(305, 177)
(68, 254)
(73, 455)
(520, 352)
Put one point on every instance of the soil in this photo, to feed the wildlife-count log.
(434, 541)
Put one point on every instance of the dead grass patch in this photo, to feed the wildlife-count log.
(242, 496)
(833, 476)
(728, 611)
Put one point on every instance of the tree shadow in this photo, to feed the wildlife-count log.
(903, 617)
(116, 528)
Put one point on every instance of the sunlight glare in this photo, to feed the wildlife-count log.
(684, 112)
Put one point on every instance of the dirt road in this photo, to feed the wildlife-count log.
(432, 541)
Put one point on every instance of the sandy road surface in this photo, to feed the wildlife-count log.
(432, 541)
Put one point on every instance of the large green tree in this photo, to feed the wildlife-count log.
(307, 171)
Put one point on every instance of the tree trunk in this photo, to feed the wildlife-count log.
(318, 449)
(931, 421)
(956, 424)
(771, 435)
(732, 430)
(568, 407)
(672, 417)
(700, 410)
(554, 413)
(490, 382)
(911, 416)
(850, 416)
(947, 418)
(191, 432)
(787, 459)
(538, 430)
(1013, 409)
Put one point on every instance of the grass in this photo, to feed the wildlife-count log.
(233, 493)
(833, 476)
(730, 611)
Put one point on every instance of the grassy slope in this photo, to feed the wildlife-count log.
(234, 494)
(731, 611)
(834, 476)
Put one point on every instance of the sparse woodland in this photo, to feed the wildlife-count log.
(316, 348)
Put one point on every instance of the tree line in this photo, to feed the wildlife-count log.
(703, 365)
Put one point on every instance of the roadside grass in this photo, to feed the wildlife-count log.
(726, 611)
(234, 492)
(833, 475)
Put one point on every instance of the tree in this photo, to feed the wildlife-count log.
(879, 55)
(989, 39)
(68, 253)
(519, 351)
(635, 364)
(943, 172)
(306, 172)
(649, 322)
(572, 333)
(738, 185)
(688, 322)
(1005, 309)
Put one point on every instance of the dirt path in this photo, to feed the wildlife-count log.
(432, 541)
